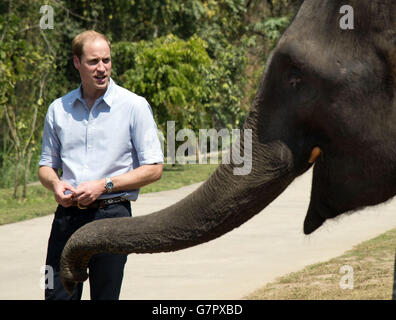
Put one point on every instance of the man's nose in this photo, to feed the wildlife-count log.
(101, 66)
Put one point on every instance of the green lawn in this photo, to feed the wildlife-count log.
(40, 201)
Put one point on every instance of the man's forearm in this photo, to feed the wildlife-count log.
(137, 178)
(48, 177)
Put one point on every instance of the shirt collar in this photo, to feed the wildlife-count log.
(109, 94)
(107, 97)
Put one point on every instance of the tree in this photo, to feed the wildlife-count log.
(24, 67)
(171, 73)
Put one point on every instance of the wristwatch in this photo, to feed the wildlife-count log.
(109, 185)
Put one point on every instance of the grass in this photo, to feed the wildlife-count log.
(372, 265)
(40, 201)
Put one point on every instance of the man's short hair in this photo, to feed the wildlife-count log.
(83, 37)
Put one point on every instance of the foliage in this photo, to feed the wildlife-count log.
(182, 83)
(226, 81)
(24, 67)
(171, 73)
(135, 20)
(272, 28)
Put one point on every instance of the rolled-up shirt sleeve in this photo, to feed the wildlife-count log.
(144, 134)
(50, 150)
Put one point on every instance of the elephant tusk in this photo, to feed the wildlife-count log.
(314, 154)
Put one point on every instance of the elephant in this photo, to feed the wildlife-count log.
(326, 99)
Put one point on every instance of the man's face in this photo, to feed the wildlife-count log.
(94, 65)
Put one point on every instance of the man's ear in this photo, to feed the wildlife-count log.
(77, 62)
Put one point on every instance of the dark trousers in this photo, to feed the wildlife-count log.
(106, 271)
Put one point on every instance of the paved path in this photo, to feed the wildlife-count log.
(269, 245)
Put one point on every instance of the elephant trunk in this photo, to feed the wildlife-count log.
(222, 203)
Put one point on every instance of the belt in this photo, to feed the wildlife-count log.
(100, 203)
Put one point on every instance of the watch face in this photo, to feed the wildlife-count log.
(109, 185)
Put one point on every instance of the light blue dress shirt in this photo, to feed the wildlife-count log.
(115, 136)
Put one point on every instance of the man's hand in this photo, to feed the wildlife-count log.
(88, 192)
(62, 190)
(63, 193)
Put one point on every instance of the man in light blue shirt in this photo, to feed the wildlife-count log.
(104, 139)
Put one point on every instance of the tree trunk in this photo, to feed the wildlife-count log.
(27, 172)
(16, 176)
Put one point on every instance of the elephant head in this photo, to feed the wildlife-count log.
(327, 97)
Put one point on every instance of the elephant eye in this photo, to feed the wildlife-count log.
(294, 77)
(294, 82)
